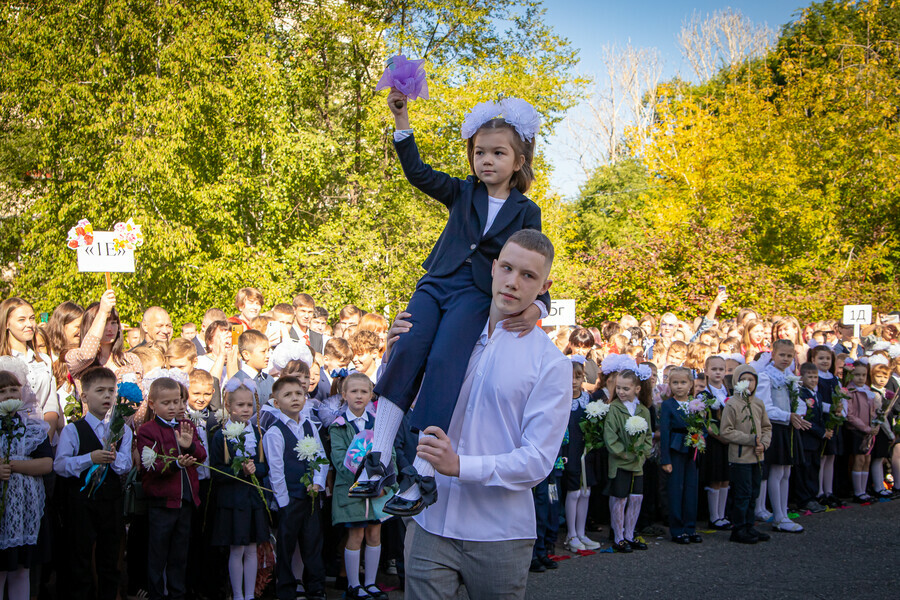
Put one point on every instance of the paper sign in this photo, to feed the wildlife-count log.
(857, 314)
(102, 256)
(562, 312)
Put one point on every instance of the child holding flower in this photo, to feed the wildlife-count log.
(351, 433)
(627, 436)
(677, 458)
(714, 462)
(297, 472)
(746, 427)
(861, 415)
(27, 456)
(828, 393)
(240, 520)
(173, 489)
(581, 461)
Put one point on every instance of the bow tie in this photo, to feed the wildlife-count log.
(339, 373)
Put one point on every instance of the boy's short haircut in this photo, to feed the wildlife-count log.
(338, 348)
(250, 339)
(808, 367)
(364, 342)
(189, 324)
(295, 368)
(320, 312)
(181, 348)
(304, 300)
(283, 381)
(248, 293)
(535, 241)
(260, 323)
(283, 309)
(201, 376)
(97, 374)
(786, 343)
(349, 311)
(150, 352)
(213, 314)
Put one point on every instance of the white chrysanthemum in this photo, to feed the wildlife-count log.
(596, 409)
(10, 407)
(636, 425)
(233, 431)
(792, 380)
(741, 388)
(148, 457)
(307, 448)
(521, 115)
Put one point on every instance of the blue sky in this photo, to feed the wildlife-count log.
(591, 24)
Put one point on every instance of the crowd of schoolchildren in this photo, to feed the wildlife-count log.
(217, 464)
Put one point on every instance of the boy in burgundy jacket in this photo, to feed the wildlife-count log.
(169, 448)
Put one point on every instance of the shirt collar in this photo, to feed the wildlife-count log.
(173, 423)
(27, 356)
(348, 414)
(92, 421)
(247, 369)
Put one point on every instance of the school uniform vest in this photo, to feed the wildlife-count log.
(781, 399)
(812, 437)
(111, 488)
(294, 469)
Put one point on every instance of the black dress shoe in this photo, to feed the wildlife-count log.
(409, 508)
(549, 563)
(356, 593)
(375, 592)
(762, 537)
(622, 547)
(695, 538)
(681, 539)
(374, 487)
(743, 535)
(636, 545)
(537, 566)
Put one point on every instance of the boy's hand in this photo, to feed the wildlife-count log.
(396, 102)
(184, 435)
(314, 487)
(436, 448)
(102, 457)
(5, 471)
(760, 450)
(249, 467)
(186, 460)
(524, 321)
(829, 434)
(667, 468)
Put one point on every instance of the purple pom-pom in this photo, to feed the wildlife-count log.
(408, 76)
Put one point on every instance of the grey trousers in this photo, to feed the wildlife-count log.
(437, 567)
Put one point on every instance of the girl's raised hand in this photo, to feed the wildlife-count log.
(107, 302)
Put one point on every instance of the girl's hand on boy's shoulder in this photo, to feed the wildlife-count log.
(524, 322)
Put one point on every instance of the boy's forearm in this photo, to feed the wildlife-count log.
(401, 121)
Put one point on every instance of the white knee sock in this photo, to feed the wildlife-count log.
(584, 501)
(250, 565)
(821, 477)
(236, 571)
(858, 486)
(761, 499)
(19, 583)
(423, 468)
(388, 417)
(776, 472)
(373, 557)
(617, 516)
(712, 501)
(631, 515)
(828, 476)
(351, 564)
(723, 501)
(572, 514)
(785, 490)
(877, 470)
(863, 480)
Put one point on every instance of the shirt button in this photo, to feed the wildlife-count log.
(472, 247)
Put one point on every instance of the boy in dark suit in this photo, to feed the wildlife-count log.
(806, 474)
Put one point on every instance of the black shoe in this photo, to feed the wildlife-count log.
(743, 535)
(356, 593)
(695, 538)
(636, 545)
(402, 507)
(537, 566)
(374, 487)
(721, 525)
(763, 537)
(316, 595)
(838, 503)
(375, 592)
(622, 547)
(862, 499)
(681, 539)
(548, 563)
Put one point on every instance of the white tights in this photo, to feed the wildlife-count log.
(779, 480)
(18, 583)
(576, 512)
(826, 476)
(242, 571)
